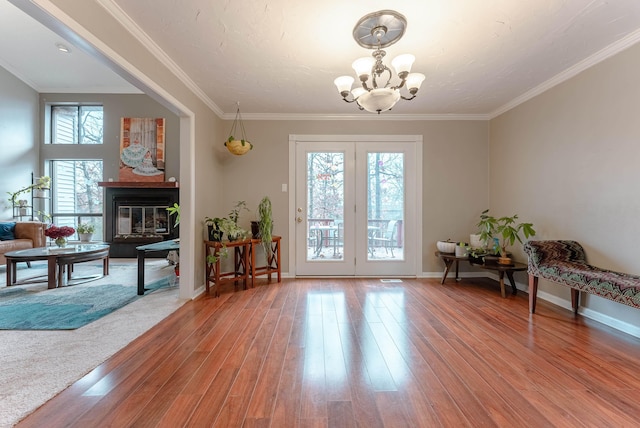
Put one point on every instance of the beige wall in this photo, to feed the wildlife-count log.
(455, 161)
(19, 124)
(569, 161)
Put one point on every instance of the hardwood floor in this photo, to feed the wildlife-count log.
(358, 352)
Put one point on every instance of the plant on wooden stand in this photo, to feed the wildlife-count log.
(508, 232)
(266, 224)
(219, 226)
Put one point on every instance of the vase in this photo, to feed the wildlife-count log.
(61, 242)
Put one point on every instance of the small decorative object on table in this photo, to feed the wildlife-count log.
(85, 231)
(461, 249)
(59, 234)
(447, 246)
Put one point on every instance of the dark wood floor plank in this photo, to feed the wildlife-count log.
(358, 352)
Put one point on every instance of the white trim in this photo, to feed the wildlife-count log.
(604, 319)
(119, 15)
(361, 116)
(570, 72)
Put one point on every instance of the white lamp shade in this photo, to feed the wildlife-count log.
(357, 92)
(363, 66)
(403, 63)
(343, 83)
(380, 99)
(414, 80)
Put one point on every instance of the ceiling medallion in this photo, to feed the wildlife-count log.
(379, 30)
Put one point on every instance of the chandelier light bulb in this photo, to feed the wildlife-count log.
(343, 83)
(403, 63)
(363, 66)
(414, 80)
(357, 92)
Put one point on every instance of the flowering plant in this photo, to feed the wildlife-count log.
(56, 232)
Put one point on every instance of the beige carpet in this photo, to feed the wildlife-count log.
(36, 365)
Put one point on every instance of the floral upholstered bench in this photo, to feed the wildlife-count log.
(565, 263)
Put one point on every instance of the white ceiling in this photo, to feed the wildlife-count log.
(280, 57)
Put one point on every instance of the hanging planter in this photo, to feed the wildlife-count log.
(235, 146)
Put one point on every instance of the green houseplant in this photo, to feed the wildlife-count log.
(174, 210)
(41, 183)
(507, 229)
(221, 226)
(265, 224)
(85, 231)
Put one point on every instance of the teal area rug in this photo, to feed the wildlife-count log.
(66, 308)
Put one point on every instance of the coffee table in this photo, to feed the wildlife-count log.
(58, 259)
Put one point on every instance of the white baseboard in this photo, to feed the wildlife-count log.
(607, 320)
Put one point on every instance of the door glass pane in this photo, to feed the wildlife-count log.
(385, 206)
(325, 206)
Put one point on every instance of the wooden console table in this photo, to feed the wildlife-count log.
(213, 271)
(273, 260)
(450, 258)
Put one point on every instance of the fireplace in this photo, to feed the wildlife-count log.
(136, 214)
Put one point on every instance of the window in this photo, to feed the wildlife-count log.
(76, 124)
(76, 197)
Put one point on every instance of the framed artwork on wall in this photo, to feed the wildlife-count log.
(142, 149)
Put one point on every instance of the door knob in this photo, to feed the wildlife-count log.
(299, 219)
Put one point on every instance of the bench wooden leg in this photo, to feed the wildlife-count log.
(533, 293)
(575, 299)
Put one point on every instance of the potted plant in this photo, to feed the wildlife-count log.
(265, 224)
(41, 183)
(508, 231)
(174, 210)
(213, 225)
(234, 215)
(85, 231)
(221, 226)
(235, 146)
(477, 255)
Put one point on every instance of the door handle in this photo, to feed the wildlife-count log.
(299, 219)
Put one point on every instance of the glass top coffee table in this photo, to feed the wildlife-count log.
(58, 259)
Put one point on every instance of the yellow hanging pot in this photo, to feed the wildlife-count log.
(238, 147)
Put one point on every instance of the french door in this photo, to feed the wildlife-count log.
(355, 206)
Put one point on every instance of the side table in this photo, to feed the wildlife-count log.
(450, 258)
(273, 259)
(213, 271)
(502, 269)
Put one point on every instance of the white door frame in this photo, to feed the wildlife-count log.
(295, 138)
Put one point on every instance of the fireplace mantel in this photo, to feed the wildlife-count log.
(140, 184)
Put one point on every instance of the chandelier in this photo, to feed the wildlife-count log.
(379, 30)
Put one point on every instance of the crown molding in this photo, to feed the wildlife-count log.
(351, 117)
(570, 72)
(119, 15)
(91, 90)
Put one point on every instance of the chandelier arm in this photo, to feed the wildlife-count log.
(408, 98)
